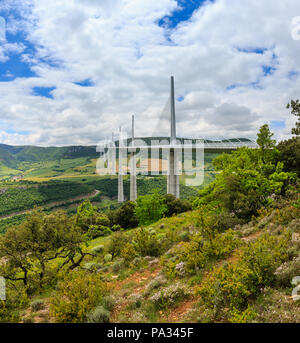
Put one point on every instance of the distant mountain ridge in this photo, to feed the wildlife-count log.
(10, 155)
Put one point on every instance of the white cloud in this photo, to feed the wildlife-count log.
(119, 46)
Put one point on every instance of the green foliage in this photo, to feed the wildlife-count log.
(98, 315)
(25, 197)
(265, 141)
(12, 221)
(30, 248)
(263, 256)
(295, 110)
(128, 253)
(16, 300)
(89, 220)
(116, 243)
(169, 296)
(37, 305)
(176, 206)
(147, 243)
(77, 294)
(231, 285)
(124, 216)
(246, 316)
(150, 208)
(108, 302)
(199, 250)
(98, 249)
(245, 183)
(290, 154)
(107, 258)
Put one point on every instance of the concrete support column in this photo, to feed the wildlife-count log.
(120, 176)
(173, 179)
(133, 188)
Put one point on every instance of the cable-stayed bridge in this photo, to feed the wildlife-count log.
(182, 155)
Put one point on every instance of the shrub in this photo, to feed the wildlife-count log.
(107, 258)
(92, 266)
(98, 315)
(263, 256)
(227, 286)
(77, 294)
(199, 251)
(124, 216)
(290, 154)
(117, 242)
(156, 283)
(98, 249)
(135, 301)
(146, 243)
(128, 253)
(231, 285)
(37, 305)
(176, 206)
(108, 302)
(169, 296)
(118, 265)
(246, 316)
(150, 208)
(285, 273)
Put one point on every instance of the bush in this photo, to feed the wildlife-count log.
(37, 305)
(287, 271)
(176, 206)
(124, 216)
(150, 208)
(169, 296)
(128, 253)
(117, 242)
(263, 256)
(98, 249)
(199, 251)
(107, 258)
(98, 315)
(156, 283)
(108, 302)
(146, 243)
(118, 265)
(135, 301)
(232, 285)
(77, 294)
(228, 286)
(290, 154)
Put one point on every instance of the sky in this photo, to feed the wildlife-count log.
(72, 72)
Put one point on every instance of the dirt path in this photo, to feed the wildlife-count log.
(54, 203)
(140, 279)
(185, 306)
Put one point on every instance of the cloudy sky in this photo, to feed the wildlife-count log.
(71, 72)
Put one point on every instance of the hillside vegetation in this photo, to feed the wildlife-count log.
(229, 255)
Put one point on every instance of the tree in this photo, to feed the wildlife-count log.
(150, 208)
(290, 154)
(176, 206)
(29, 249)
(295, 109)
(265, 141)
(90, 221)
(124, 216)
